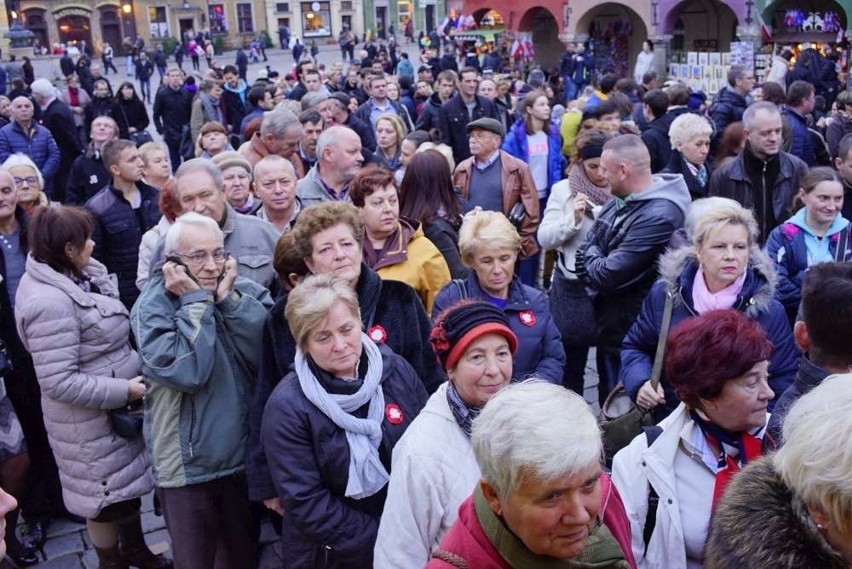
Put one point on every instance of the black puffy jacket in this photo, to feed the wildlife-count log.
(728, 107)
(118, 231)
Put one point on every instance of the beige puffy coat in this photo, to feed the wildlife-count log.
(79, 344)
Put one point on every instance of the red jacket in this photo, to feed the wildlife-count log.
(467, 543)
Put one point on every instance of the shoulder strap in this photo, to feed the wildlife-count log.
(842, 241)
(461, 286)
(651, 435)
(661, 341)
(450, 558)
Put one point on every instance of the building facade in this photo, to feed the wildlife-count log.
(237, 23)
(314, 20)
(70, 22)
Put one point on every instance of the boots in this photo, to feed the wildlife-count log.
(110, 558)
(134, 550)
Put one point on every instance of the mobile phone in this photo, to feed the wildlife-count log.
(178, 261)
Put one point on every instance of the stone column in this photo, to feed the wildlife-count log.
(662, 53)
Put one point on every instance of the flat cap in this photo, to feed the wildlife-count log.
(489, 124)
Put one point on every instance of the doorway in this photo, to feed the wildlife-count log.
(186, 24)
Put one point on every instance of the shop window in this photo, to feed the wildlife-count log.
(282, 7)
(216, 16)
(316, 19)
(244, 20)
(159, 23)
(404, 12)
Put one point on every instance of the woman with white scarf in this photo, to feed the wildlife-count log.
(330, 426)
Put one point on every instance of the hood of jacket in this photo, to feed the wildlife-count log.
(95, 271)
(799, 219)
(670, 187)
(679, 266)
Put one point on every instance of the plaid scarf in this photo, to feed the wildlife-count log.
(580, 183)
(463, 413)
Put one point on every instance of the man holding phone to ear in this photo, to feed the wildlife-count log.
(196, 325)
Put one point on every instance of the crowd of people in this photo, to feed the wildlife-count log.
(360, 300)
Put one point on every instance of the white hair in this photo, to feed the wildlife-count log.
(699, 207)
(187, 221)
(816, 458)
(43, 87)
(190, 166)
(534, 428)
(21, 159)
(688, 127)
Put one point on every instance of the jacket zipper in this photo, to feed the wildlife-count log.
(191, 425)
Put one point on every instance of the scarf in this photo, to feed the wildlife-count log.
(212, 111)
(704, 300)
(602, 551)
(580, 183)
(463, 413)
(700, 172)
(736, 449)
(395, 249)
(73, 97)
(367, 474)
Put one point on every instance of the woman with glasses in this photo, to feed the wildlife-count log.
(71, 321)
(28, 181)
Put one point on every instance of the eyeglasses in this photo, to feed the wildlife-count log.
(29, 180)
(198, 258)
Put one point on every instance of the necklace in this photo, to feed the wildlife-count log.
(10, 241)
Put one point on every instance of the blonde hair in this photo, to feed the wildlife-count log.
(688, 127)
(816, 458)
(445, 151)
(311, 301)
(487, 228)
(728, 213)
(397, 125)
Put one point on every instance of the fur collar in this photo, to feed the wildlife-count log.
(758, 290)
(758, 525)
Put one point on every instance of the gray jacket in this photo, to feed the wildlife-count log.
(250, 240)
(311, 191)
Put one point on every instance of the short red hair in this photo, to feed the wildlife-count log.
(705, 352)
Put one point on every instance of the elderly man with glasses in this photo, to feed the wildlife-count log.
(196, 325)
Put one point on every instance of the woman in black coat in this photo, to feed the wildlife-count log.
(330, 426)
(131, 114)
(391, 313)
(690, 135)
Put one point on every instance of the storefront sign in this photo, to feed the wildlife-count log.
(65, 12)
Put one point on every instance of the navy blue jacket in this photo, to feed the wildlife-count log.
(800, 137)
(118, 231)
(728, 107)
(172, 111)
(39, 145)
(540, 352)
(393, 305)
(309, 461)
(756, 300)
(517, 145)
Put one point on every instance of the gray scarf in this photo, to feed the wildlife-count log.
(212, 111)
(367, 474)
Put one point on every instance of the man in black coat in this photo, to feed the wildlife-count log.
(656, 136)
(730, 104)
(66, 64)
(618, 259)
(172, 111)
(465, 107)
(122, 212)
(824, 335)
(58, 118)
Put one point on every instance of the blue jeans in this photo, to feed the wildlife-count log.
(145, 89)
(570, 88)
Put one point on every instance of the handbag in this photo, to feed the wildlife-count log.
(141, 137)
(127, 421)
(516, 214)
(621, 419)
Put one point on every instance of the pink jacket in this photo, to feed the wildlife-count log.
(468, 545)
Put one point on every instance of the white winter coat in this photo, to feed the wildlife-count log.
(632, 468)
(433, 471)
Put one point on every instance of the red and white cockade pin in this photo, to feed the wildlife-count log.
(378, 334)
(527, 317)
(393, 414)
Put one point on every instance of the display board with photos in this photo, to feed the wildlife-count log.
(701, 70)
